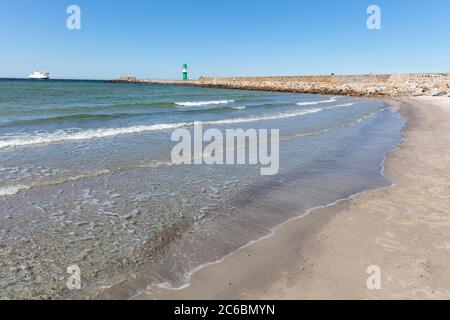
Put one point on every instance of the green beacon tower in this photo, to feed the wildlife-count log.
(185, 72)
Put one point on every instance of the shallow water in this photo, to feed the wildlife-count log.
(86, 177)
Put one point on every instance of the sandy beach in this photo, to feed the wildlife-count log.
(402, 229)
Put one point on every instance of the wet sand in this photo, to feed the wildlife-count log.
(402, 229)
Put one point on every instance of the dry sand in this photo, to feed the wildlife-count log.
(403, 229)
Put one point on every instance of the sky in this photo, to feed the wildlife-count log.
(153, 38)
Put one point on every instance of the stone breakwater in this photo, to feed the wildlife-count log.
(431, 84)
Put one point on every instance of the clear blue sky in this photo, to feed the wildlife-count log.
(150, 38)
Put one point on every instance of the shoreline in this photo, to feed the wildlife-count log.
(287, 266)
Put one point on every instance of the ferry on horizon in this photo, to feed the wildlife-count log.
(36, 74)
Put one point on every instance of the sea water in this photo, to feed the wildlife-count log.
(86, 177)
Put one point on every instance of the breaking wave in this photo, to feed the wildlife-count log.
(203, 103)
(314, 103)
(62, 135)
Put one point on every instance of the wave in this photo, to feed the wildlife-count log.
(203, 103)
(104, 117)
(86, 108)
(82, 117)
(11, 190)
(62, 136)
(345, 105)
(345, 125)
(263, 118)
(313, 103)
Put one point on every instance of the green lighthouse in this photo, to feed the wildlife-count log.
(185, 73)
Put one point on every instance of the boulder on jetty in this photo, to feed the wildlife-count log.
(126, 79)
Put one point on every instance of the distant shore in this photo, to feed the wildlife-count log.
(402, 229)
(393, 85)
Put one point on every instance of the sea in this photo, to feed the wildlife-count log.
(87, 179)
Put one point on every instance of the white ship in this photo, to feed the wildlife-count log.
(36, 74)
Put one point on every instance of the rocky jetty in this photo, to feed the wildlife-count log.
(428, 84)
(126, 79)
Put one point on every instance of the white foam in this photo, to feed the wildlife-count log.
(341, 105)
(9, 191)
(203, 103)
(239, 108)
(313, 103)
(345, 105)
